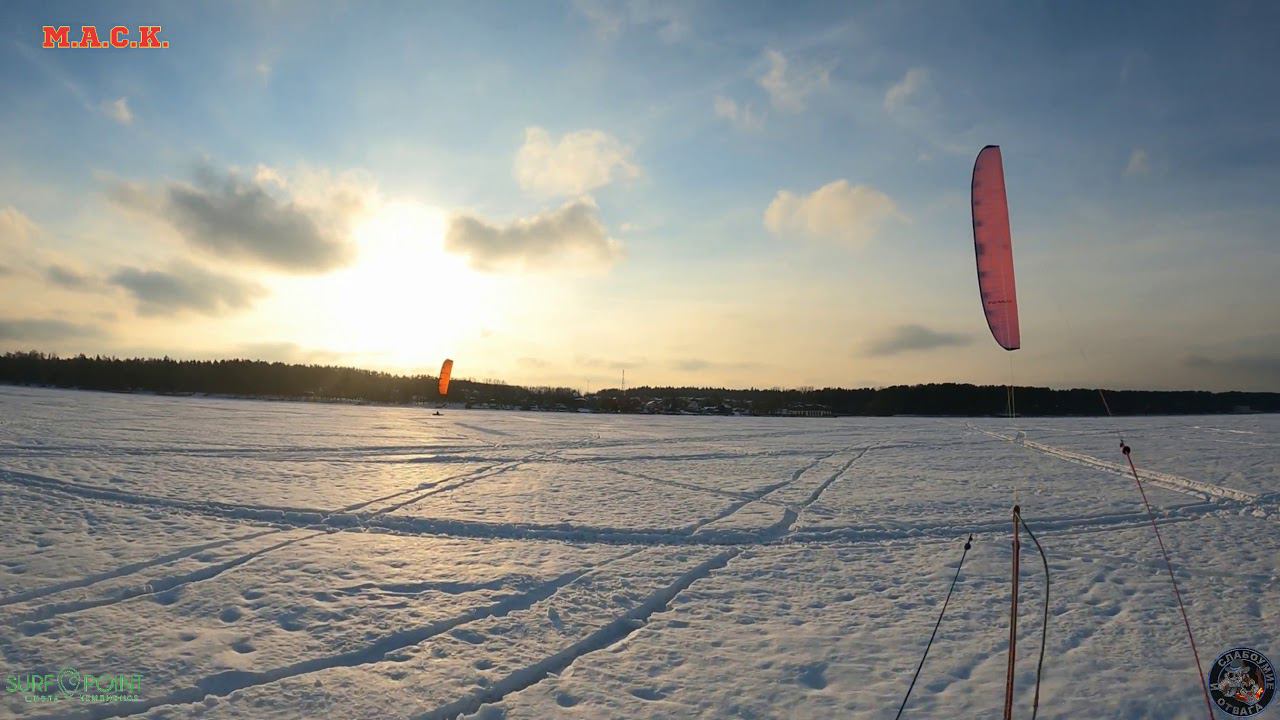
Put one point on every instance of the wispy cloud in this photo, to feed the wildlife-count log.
(695, 364)
(743, 117)
(838, 211)
(568, 237)
(1139, 163)
(288, 352)
(790, 84)
(905, 89)
(607, 363)
(16, 229)
(26, 257)
(609, 17)
(118, 110)
(577, 163)
(915, 338)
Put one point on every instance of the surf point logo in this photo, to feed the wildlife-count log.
(72, 685)
(1242, 682)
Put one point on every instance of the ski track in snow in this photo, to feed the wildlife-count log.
(153, 587)
(169, 583)
(273, 528)
(1165, 480)
(762, 494)
(610, 634)
(131, 568)
(696, 534)
(225, 683)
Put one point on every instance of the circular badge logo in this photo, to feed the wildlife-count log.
(68, 680)
(1242, 682)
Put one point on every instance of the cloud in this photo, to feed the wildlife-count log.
(571, 233)
(239, 218)
(16, 229)
(789, 86)
(69, 278)
(133, 196)
(609, 17)
(17, 251)
(26, 258)
(700, 364)
(579, 162)
(742, 117)
(264, 175)
(186, 287)
(288, 352)
(117, 110)
(606, 364)
(909, 86)
(1139, 163)
(44, 330)
(1258, 368)
(837, 211)
(915, 338)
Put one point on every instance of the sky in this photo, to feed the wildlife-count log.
(733, 194)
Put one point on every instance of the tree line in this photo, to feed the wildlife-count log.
(256, 378)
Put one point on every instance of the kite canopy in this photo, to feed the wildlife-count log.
(446, 370)
(993, 246)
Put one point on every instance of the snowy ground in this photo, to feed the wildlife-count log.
(286, 560)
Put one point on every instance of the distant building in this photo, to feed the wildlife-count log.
(805, 411)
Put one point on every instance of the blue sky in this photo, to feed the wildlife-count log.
(703, 193)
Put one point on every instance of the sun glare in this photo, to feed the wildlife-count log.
(406, 302)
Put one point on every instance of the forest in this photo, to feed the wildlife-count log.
(275, 380)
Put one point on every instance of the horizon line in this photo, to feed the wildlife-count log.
(504, 383)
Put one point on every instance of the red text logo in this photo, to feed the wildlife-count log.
(118, 37)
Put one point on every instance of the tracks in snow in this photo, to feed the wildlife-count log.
(618, 629)
(153, 587)
(1043, 525)
(383, 520)
(292, 518)
(124, 570)
(762, 494)
(1176, 483)
(614, 632)
(791, 515)
(224, 683)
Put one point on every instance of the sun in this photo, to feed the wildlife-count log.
(406, 302)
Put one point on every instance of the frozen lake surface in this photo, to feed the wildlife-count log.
(288, 560)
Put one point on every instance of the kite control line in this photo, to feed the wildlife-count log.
(967, 544)
(1013, 617)
(1044, 628)
(1169, 566)
(1018, 525)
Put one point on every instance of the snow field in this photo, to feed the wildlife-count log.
(287, 560)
